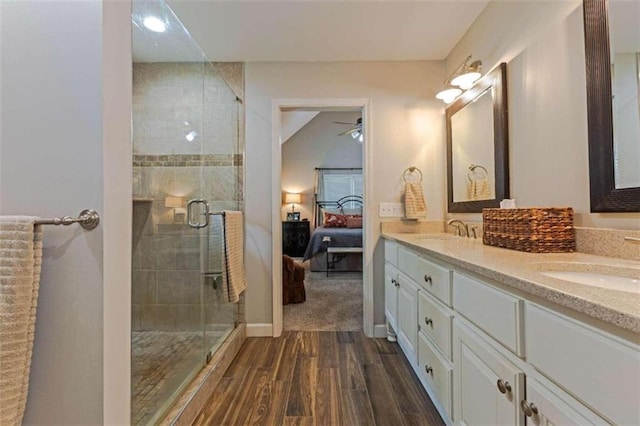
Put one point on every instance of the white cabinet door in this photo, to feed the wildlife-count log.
(488, 388)
(544, 408)
(599, 369)
(391, 295)
(408, 316)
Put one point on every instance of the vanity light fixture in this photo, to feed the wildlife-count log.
(463, 77)
(449, 94)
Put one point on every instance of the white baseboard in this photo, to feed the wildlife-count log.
(259, 330)
(380, 331)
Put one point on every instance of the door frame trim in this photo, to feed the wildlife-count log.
(277, 107)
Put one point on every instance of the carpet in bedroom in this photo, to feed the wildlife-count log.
(334, 303)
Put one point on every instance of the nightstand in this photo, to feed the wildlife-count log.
(295, 237)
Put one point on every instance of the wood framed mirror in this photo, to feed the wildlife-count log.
(477, 145)
(614, 150)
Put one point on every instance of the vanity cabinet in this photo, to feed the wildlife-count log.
(407, 316)
(488, 387)
(487, 354)
(436, 373)
(495, 312)
(435, 322)
(543, 407)
(391, 295)
(599, 369)
(432, 277)
(401, 304)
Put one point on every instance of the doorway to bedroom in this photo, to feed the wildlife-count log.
(322, 213)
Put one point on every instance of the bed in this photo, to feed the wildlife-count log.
(344, 244)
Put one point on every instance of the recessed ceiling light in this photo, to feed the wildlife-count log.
(154, 24)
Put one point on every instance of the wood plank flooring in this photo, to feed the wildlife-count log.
(319, 378)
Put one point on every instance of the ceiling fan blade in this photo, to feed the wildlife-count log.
(349, 131)
(342, 122)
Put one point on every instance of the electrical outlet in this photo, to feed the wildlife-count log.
(391, 210)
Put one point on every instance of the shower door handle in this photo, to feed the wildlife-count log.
(205, 213)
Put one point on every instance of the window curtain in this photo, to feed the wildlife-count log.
(333, 184)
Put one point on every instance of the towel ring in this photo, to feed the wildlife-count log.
(472, 169)
(410, 170)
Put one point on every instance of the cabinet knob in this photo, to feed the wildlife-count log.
(529, 409)
(503, 386)
(428, 321)
(427, 278)
(428, 369)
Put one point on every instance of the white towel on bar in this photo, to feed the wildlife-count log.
(414, 205)
(20, 264)
(234, 279)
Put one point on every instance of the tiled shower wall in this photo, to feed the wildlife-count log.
(188, 143)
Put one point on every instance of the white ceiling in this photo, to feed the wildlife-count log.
(322, 30)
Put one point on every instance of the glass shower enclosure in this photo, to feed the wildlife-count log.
(186, 146)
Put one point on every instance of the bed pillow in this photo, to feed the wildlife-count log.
(354, 221)
(332, 210)
(332, 220)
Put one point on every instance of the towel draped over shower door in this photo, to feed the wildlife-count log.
(20, 265)
(233, 275)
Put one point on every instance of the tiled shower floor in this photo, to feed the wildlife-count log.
(161, 360)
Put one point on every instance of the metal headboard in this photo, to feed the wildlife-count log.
(342, 202)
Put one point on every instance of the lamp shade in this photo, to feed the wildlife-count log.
(292, 198)
(173, 202)
(448, 95)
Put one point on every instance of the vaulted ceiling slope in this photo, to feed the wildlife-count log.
(324, 30)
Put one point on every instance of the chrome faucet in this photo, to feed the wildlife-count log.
(459, 226)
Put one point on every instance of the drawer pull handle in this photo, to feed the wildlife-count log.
(427, 278)
(428, 369)
(428, 321)
(529, 409)
(503, 386)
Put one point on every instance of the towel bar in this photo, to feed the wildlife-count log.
(88, 219)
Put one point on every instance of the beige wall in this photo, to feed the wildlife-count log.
(317, 144)
(407, 129)
(543, 46)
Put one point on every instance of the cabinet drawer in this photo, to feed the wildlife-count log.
(436, 322)
(599, 369)
(433, 278)
(437, 373)
(391, 252)
(495, 312)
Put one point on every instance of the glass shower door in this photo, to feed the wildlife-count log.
(168, 347)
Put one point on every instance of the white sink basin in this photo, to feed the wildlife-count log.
(613, 282)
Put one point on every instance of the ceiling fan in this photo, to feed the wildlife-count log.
(355, 131)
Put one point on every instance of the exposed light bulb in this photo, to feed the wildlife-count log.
(191, 136)
(154, 24)
(361, 138)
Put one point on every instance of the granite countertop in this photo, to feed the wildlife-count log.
(522, 271)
